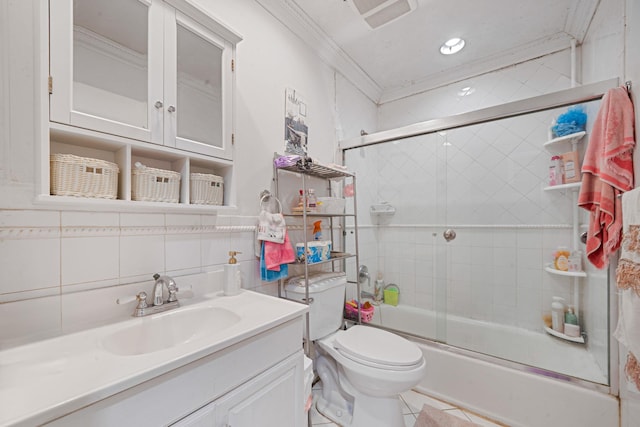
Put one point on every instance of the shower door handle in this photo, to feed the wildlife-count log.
(449, 234)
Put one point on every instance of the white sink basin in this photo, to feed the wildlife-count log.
(166, 330)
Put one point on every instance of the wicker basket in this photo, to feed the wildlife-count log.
(83, 177)
(154, 185)
(206, 189)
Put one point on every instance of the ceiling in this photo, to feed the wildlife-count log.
(402, 57)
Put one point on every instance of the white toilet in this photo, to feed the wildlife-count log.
(363, 369)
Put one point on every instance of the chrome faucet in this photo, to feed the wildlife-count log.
(159, 304)
(158, 288)
(363, 275)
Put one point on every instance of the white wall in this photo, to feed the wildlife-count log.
(63, 270)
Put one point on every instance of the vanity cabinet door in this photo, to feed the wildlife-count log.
(273, 399)
(203, 417)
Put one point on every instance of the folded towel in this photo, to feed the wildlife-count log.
(276, 254)
(271, 275)
(607, 172)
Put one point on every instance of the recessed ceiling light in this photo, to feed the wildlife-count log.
(452, 46)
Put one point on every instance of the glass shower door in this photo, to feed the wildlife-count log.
(472, 227)
(507, 222)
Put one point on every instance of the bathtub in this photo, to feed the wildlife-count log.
(529, 394)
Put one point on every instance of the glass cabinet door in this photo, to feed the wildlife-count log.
(200, 92)
(100, 65)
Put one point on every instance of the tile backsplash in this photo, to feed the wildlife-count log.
(64, 270)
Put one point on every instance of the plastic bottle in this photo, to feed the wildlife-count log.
(561, 259)
(557, 314)
(379, 288)
(232, 276)
(570, 317)
(575, 261)
(556, 175)
(312, 201)
(317, 230)
(571, 327)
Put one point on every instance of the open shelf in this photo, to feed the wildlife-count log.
(317, 170)
(335, 256)
(571, 186)
(571, 138)
(579, 340)
(552, 270)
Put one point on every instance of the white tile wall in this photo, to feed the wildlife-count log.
(87, 260)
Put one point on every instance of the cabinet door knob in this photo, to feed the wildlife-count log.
(158, 104)
(171, 109)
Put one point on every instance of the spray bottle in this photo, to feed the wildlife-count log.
(317, 230)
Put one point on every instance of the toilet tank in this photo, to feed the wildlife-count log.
(326, 295)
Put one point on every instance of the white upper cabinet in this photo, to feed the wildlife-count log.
(158, 71)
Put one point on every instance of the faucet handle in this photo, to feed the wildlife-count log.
(141, 298)
(173, 290)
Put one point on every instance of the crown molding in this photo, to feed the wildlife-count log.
(535, 49)
(293, 17)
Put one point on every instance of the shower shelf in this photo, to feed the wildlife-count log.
(552, 270)
(571, 186)
(572, 138)
(579, 340)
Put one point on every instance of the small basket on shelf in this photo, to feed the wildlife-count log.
(83, 177)
(206, 189)
(351, 311)
(154, 185)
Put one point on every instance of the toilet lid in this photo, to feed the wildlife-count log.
(376, 347)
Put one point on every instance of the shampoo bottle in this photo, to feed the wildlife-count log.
(232, 278)
(557, 314)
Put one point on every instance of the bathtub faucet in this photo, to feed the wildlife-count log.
(363, 275)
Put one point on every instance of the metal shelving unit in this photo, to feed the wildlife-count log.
(303, 171)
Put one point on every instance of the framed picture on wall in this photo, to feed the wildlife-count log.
(296, 130)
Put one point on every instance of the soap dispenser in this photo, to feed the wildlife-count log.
(232, 278)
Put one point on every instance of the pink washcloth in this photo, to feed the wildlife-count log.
(276, 254)
(607, 172)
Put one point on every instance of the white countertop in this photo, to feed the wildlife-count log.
(47, 379)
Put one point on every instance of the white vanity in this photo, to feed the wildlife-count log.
(223, 361)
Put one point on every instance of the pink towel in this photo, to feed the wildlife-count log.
(276, 254)
(607, 172)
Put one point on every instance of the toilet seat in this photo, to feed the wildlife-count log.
(378, 348)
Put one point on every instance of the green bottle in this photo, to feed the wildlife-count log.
(570, 317)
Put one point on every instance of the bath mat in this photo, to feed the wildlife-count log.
(432, 417)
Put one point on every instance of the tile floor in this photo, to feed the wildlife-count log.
(412, 403)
